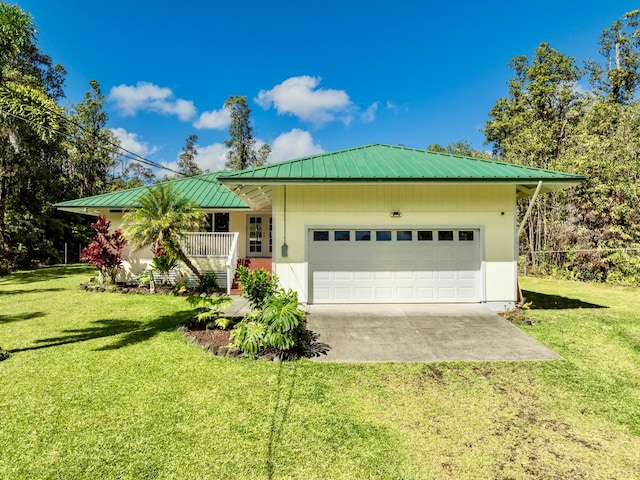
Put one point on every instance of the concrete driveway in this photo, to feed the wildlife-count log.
(420, 333)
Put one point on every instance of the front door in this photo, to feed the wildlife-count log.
(259, 236)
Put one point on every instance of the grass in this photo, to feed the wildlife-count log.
(102, 386)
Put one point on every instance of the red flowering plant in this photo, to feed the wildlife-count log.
(105, 251)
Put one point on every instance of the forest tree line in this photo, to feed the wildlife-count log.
(556, 114)
(51, 152)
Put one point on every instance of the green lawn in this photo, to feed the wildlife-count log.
(101, 385)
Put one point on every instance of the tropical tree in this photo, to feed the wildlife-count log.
(187, 165)
(164, 214)
(461, 147)
(618, 76)
(31, 131)
(241, 151)
(90, 157)
(534, 124)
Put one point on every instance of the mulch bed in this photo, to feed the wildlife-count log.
(217, 342)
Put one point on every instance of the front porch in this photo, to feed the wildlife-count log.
(218, 252)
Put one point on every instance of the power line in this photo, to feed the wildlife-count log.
(129, 154)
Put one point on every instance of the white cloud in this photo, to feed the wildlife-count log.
(130, 141)
(214, 119)
(299, 96)
(212, 157)
(130, 99)
(369, 115)
(294, 144)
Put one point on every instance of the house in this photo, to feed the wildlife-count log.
(373, 224)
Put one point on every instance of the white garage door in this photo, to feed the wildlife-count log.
(403, 266)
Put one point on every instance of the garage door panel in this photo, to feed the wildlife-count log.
(337, 276)
(405, 271)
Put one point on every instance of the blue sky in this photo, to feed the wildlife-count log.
(319, 76)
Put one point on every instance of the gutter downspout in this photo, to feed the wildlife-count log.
(531, 202)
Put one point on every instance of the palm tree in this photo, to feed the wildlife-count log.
(163, 215)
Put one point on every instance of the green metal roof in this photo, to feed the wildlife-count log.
(203, 190)
(395, 164)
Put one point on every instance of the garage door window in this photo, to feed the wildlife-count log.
(445, 235)
(342, 235)
(321, 236)
(425, 235)
(465, 235)
(363, 235)
(404, 235)
(383, 236)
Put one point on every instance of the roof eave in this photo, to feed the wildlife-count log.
(566, 182)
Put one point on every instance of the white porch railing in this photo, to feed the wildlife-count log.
(199, 245)
(205, 244)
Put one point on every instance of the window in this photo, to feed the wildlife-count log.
(321, 236)
(221, 222)
(404, 235)
(445, 235)
(363, 235)
(465, 235)
(425, 235)
(383, 236)
(341, 235)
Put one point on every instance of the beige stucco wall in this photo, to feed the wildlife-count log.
(488, 207)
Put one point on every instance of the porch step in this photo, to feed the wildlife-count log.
(251, 264)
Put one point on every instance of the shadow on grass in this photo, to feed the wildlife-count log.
(542, 301)
(280, 415)
(39, 290)
(44, 274)
(130, 332)
(20, 317)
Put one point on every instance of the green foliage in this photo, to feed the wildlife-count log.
(546, 122)
(209, 307)
(279, 325)
(164, 214)
(248, 334)
(257, 286)
(461, 147)
(241, 151)
(164, 262)
(618, 75)
(284, 320)
(209, 284)
(224, 323)
(187, 165)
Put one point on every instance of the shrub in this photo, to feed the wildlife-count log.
(278, 325)
(257, 286)
(284, 320)
(209, 284)
(248, 334)
(163, 263)
(519, 315)
(105, 251)
(209, 307)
